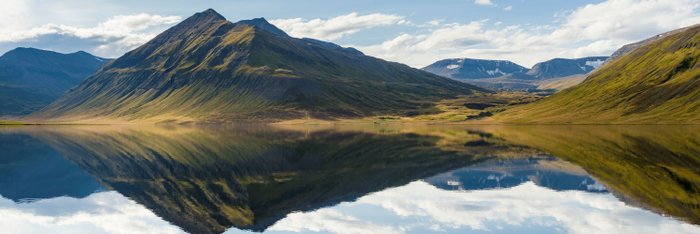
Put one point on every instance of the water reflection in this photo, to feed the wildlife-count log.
(548, 172)
(329, 179)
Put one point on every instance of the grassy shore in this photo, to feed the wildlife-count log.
(10, 122)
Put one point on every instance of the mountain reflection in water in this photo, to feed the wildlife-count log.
(385, 179)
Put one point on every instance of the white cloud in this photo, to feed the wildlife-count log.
(109, 38)
(508, 8)
(337, 27)
(419, 206)
(483, 2)
(331, 221)
(104, 212)
(593, 29)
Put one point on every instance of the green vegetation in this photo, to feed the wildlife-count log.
(476, 106)
(9, 122)
(658, 83)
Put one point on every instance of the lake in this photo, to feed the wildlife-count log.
(353, 178)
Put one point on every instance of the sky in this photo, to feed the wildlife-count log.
(414, 32)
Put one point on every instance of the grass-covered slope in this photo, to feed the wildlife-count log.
(207, 68)
(656, 83)
(31, 79)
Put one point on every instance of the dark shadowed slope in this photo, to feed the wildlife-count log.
(209, 69)
(655, 83)
(31, 78)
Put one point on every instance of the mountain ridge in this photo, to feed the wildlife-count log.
(209, 69)
(506, 75)
(32, 78)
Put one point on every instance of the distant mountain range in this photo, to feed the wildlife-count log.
(656, 82)
(499, 74)
(31, 78)
(207, 68)
(465, 68)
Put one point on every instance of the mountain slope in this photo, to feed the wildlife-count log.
(560, 67)
(655, 83)
(209, 69)
(506, 75)
(466, 68)
(632, 46)
(31, 78)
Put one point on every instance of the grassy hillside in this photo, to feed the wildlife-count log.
(656, 83)
(209, 69)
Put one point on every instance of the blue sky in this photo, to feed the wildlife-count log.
(415, 32)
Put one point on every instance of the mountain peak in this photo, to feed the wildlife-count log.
(211, 13)
(262, 23)
(207, 16)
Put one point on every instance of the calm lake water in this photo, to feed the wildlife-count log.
(350, 179)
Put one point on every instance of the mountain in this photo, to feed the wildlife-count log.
(31, 78)
(560, 67)
(656, 83)
(209, 69)
(506, 75)
(466, 68)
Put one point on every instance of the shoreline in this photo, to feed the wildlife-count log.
(379, 120)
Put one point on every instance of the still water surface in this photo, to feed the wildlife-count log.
(350, 179)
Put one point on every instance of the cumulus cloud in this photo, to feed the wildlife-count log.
(104, 212)
(109, 38)
(337, 27)
(483, 2)
(419, 206)
(331, 221)
(593, 29)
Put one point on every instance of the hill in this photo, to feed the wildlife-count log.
(656, 83)
(30, 79)
(209, 69)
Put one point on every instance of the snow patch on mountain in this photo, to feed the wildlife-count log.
(494, 72)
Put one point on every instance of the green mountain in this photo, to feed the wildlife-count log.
(31, 79)
(658, 82)
(207, 68)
